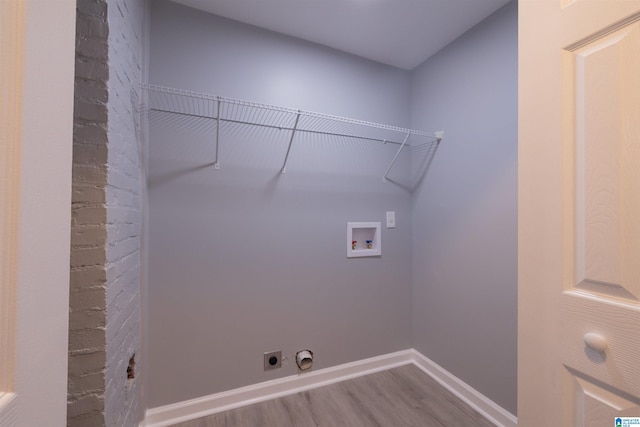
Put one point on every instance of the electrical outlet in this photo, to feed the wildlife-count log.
(272, 360)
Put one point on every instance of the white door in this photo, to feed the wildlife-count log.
(579, 212)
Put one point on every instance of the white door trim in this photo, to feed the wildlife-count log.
(11, 93)
(37, 52)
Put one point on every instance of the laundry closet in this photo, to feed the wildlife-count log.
(263, 148)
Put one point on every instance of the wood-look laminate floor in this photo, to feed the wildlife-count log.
(399, 397)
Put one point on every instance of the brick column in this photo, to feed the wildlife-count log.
(87, 311)
(124, 182)
(104, 323)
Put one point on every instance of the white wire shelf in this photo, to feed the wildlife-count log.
(221, 109)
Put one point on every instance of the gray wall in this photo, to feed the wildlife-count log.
(465, 210)
(245, 260)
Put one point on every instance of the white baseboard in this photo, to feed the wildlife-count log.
(8, 416)
(472, 397)
(200, 407)
(219, 402)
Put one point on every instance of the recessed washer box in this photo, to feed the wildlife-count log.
(363, 239)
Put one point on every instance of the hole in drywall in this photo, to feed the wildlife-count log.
(131, 369)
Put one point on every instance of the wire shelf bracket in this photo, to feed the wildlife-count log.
(293, 134)
(216, 164)
(438, 137)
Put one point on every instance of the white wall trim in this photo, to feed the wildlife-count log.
(207, 405)
(8, 416)
(12, 40)
(472, 397)
(219, 402)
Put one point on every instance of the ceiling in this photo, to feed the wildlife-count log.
(401, 33)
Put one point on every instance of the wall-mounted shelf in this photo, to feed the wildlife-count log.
(237, 111)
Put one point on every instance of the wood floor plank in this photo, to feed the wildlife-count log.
(399, 397)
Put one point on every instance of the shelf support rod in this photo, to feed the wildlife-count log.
(384, 178)
(293, 133)
(216, 164)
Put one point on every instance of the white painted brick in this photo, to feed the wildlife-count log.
(119, 180)
(115, 270)
(88, 318)
(98, 28)
(87, 364)
(120, 215)
(93, 158)
(95, 91)
(87, 194)
(114, 133)
(86, 350)
(124, 336)
(126, 317)
(89, 111)
(124, 231)
(127, 283)
(116, 371)
(89, 277)
(123, 198)
(88, 215)
(86, 68)
(86, 339)
(122, 249)
(85, 236)
(86, 257)
(94, 133)
(128, 164)
(122, 293)
(89, 174)
(96, 8)
(87, 298)
(92, 48)
(113, 309)
(91, 154)
(127, 299)
(83, 24)
(86, 384)
(85, 405)
(92, 419)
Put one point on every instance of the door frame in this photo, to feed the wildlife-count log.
(37, 48)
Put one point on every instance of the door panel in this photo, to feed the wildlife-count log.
(596, 405)
(618, 323)
(607, 163)
(579, 212)
(603, 202)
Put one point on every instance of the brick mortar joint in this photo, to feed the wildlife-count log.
(82, 205)
(73, 398)
(88, 350)
(94, 268)
(76, 248)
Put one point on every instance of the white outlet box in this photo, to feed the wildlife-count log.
(391, 220)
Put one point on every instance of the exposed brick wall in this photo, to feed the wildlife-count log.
(88, 283)
(104, 325)
(125, 18)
